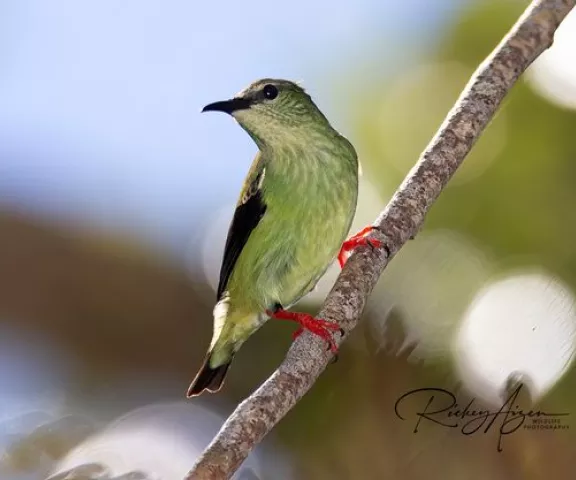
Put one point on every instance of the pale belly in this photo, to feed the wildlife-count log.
(315, 252)
(306, 245)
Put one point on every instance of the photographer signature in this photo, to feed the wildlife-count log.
(442, 409)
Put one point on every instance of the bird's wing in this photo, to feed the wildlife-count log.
(249, 211)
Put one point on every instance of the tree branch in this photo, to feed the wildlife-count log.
(404, 215)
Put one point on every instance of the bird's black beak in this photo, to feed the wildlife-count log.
(228, 106)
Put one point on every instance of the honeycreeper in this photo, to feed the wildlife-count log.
(291, 219)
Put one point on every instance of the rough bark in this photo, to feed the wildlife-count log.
(404, 215)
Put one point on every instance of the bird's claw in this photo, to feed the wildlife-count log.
(336, 355)
(317, 326)
(359, 240)
(297, 333)
(334, 358)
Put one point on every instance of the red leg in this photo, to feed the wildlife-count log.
(317, 326)
(356, 241)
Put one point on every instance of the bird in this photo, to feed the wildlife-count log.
(291, 220)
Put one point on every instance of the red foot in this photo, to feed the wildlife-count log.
(317, 326)
(356, 241)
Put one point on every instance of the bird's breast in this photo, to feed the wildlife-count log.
(316, 200)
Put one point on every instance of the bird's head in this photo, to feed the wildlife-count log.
(272, 111)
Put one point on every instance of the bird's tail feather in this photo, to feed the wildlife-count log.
(209, 378)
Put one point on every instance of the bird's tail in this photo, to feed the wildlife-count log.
(231, 329)
(209, 378)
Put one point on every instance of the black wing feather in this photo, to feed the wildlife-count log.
(248, 214)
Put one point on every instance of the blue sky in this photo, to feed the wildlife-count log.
(100, 100)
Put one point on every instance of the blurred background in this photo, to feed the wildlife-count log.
(115, 198)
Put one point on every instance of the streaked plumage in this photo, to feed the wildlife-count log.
(292, 216)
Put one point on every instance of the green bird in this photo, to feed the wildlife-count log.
(294, 212)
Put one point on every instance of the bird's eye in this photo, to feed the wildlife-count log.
(270, 92)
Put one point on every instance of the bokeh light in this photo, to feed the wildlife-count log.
(33, 374)
(420, 285)
(523, 323)
(161, 441)
(553, 74)
(410, 110)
